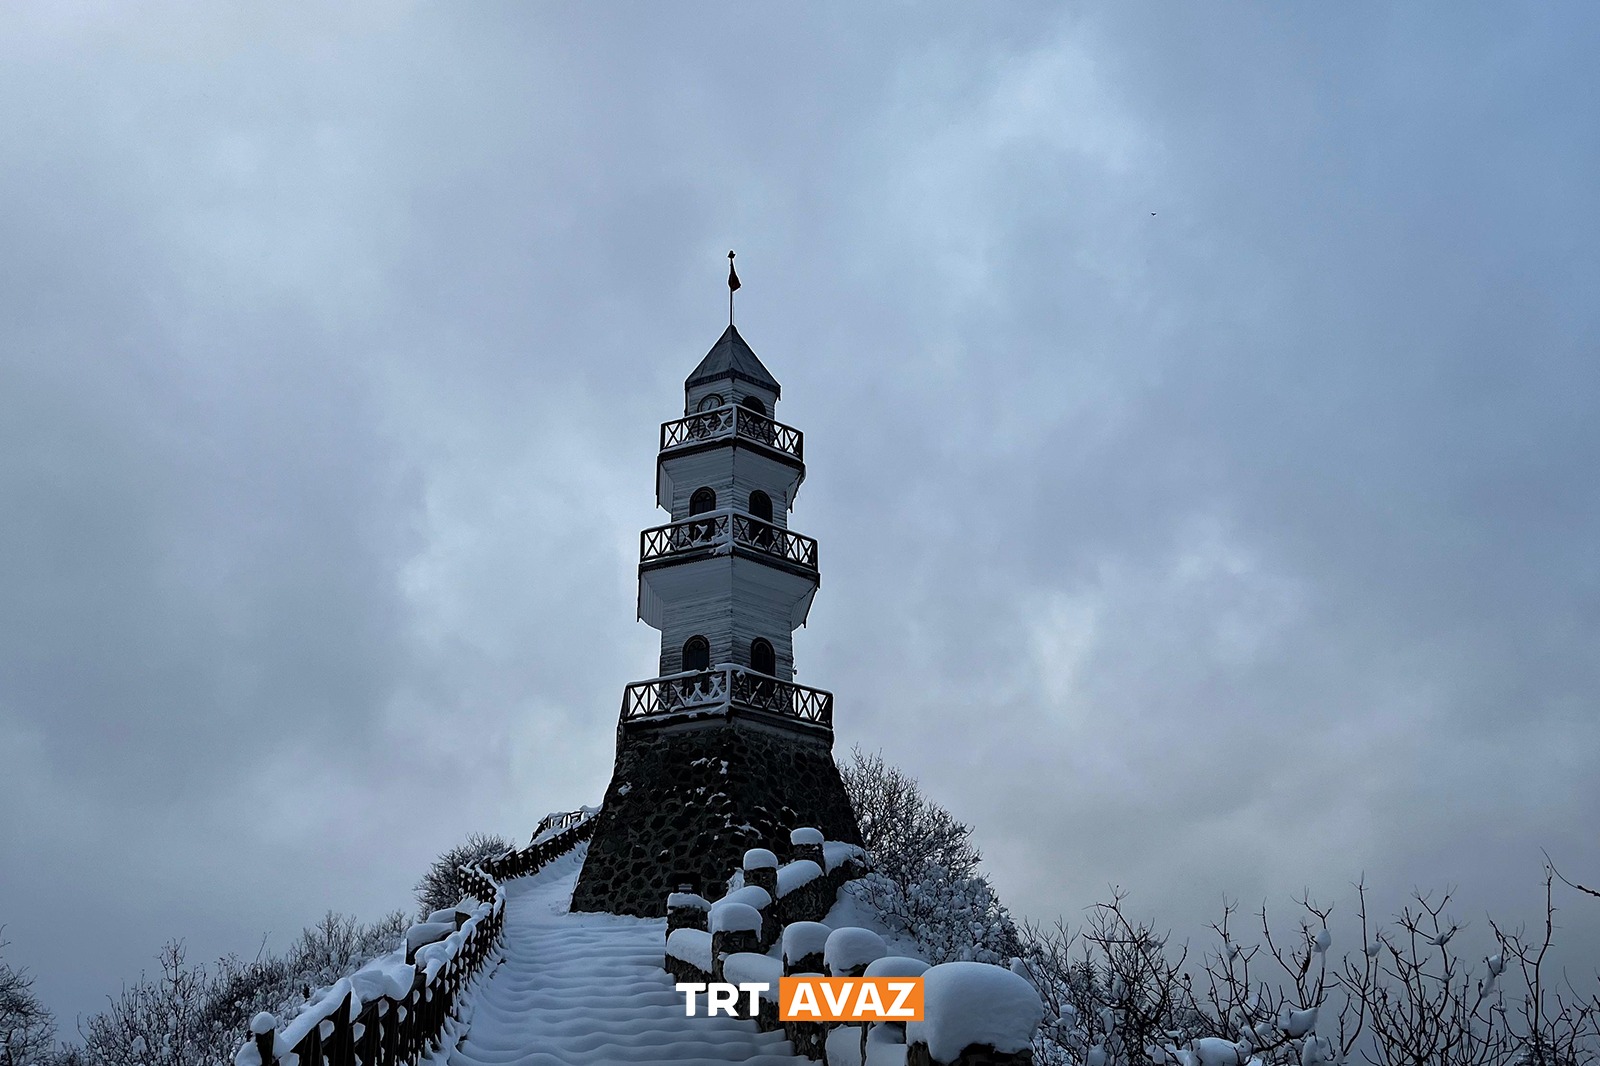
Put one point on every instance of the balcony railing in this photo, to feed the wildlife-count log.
(723, 688)
(731, 420)
(724, 529)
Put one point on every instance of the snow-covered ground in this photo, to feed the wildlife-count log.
(590, 989)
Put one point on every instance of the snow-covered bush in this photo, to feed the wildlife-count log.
(441, 885)
(925, 883)
(971, 1003)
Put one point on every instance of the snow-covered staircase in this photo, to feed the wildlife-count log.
(589, 989)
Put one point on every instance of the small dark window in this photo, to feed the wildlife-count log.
(697, 654)
(754, 403)
(763, 660)
(702, 501)
(761, 506)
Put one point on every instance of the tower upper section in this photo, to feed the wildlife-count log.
(730, 372)
(726, 581)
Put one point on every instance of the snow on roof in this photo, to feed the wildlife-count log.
(805, 836)
(731, 357)
(850, 947)
(967, 1003)
(797, 874)
(804, 938)
(896, 966)
(735, 917)
(760, 859)
(692, 946)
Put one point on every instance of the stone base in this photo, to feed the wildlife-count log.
(685, 804)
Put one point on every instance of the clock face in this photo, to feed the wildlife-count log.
(711, 402)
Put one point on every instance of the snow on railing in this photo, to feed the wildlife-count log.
(560, 821)
(722, 688)
(394, 1008)
(732, 420)
(719, 531)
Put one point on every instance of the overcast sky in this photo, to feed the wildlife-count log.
(1200, 411)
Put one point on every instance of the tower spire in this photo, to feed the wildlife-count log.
(733, 283)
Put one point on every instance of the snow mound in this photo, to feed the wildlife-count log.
(427, 933)
(851, 947)
(760, 859)
(745, 967)
(797, 874)
(804, 938)
(735, 917)
(388, 975)
(692, 946)
(805, 836)
(975, 1003)
(750, 895)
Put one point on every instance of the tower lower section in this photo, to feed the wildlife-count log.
(687, 800)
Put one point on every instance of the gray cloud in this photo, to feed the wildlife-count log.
(1197, 410)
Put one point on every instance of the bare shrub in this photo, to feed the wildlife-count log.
(27, 1028)
(441, 886)
(1118, 994)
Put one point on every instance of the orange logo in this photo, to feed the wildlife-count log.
(849, 999)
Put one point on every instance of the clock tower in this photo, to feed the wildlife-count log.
(722, 751)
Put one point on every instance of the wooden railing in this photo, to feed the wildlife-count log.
(724, 528)
(722, 688)
(731, 420)
(561, 821)
(393, 1010)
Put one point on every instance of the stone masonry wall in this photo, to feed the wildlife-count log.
(683, 807)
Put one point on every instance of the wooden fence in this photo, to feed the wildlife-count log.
(395, 1023)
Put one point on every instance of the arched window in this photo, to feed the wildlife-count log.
(697, 654)
(761, 506)
(702, 501)
(763, 660)
(754, 403)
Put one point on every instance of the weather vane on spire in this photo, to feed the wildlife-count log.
(733, 283)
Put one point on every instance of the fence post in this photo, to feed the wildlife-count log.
(264, 1047)
(343, 1039)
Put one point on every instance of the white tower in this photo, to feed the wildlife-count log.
(723, 751)
(726, 582)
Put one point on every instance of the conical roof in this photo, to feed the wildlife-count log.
(731, 357)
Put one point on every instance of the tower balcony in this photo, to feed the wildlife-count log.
(719, 533)
(726, 691)
(733, 422)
